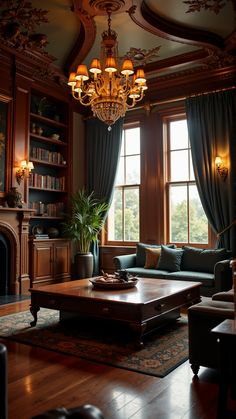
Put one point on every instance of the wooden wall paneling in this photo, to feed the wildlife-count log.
(8, 103)
(21, 129)
(151, 229)
(6, 74)
(24, 252)
(108, 252)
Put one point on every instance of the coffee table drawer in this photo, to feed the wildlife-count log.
(170, 302)
(112, 310)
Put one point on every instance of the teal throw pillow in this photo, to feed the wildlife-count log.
(170, 259)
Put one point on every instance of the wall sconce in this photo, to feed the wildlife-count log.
(24, 170)
(221, 168)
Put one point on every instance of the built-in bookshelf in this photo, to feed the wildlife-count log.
(48, 150)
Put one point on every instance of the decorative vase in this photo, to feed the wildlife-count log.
(33, 128)
(83, 265)
(13, 198)
(39, 130)
(53, 232)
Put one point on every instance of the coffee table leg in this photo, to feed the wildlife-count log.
(139, 330)
(34, 310)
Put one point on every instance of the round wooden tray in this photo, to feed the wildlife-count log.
(114, 285)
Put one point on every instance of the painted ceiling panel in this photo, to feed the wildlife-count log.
(222, 23)
(132, 36)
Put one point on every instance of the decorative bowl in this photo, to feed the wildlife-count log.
(115, 285)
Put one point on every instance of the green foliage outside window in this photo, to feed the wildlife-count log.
(197, 223)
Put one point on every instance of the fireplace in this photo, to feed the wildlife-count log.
(5, 258)
(14, 252)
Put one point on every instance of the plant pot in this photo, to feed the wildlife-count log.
(83, 265)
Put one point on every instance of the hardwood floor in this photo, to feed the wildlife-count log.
(40, 380)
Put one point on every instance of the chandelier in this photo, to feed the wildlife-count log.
(109, 90)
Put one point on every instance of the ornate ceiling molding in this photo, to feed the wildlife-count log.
(85, 39)
(211, 5)
(210, 45)
(142, 56)
(18, 25)
(104, 5)
(148, 20)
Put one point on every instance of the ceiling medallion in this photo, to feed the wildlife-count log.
(109, 89)
(104, 5)
(143, 56)
(211, 5)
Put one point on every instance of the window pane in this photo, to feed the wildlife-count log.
(132, 170)
(198, 225)
(115, 223)
(131, 214)
(132, 141)
(179, 165)
(120, 176)
(122, 150)
(123, 217)
(178, 135)
(178, 214)
(192, 177)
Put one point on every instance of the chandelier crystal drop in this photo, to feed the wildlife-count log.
(109, 89)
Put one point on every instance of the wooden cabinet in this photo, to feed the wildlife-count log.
(50, 261)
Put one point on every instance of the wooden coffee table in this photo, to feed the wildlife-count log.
(148, 305)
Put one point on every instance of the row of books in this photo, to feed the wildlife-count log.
(46, 155)
(52, 209)
(47, 181)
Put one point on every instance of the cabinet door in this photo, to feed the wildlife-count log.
(62, 260)
(42, 261)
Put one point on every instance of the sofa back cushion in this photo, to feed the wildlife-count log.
(152, 257)
(170, 259)
(141, 252)
(201, 260)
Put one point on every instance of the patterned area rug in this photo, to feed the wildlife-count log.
(163, 350)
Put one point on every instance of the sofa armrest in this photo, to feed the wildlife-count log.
(125, 261)
(223, 276)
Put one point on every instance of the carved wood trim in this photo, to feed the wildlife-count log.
(10, 233)
(85, 39)
(178, 61)
(145, 18)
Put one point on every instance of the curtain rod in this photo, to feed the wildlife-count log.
(212, 91)
(178, 99)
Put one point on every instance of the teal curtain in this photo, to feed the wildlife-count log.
(211, 127)
(102, 158)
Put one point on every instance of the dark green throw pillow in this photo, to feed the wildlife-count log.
(170, 259)
(202, 260)
(141, 252)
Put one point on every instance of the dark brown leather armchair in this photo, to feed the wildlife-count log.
(86, 411)
(202, 317)
(3, 382)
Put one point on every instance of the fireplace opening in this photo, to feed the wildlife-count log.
(4, 265)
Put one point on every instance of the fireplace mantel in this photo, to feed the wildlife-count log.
(14, 224)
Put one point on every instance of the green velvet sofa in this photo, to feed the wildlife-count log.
(211, 267)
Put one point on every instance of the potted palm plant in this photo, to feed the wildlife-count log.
(83, 225)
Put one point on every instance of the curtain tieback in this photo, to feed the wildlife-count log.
(226, 228)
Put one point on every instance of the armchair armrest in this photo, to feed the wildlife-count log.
(223, 276)
(125, 261)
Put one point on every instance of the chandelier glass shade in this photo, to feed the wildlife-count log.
(108, 88)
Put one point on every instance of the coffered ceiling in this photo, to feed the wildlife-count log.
(165, 37)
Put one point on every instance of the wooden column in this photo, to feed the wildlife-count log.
(24, 251)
